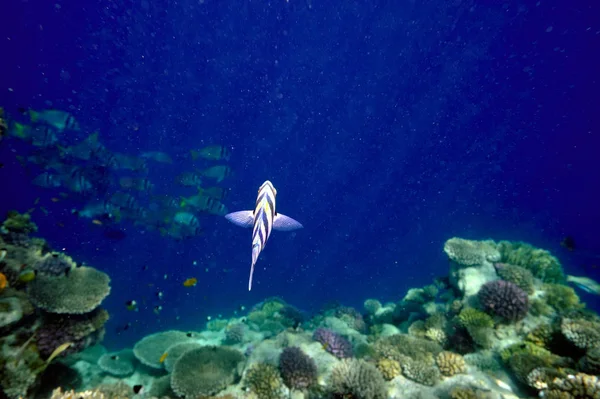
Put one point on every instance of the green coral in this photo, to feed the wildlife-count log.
(538, 307)
(357, 379)
(562, 298)
(540, 262)
(19, 223)
(422, 372)
(400, 346)
(478, 324)
(264, 381)
(518, 275)
(473, 318)
(530, 349)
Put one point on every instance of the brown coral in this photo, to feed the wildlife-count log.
(578, 386)
(584, 334)
(450, 363)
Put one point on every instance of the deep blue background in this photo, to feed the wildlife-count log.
(386, 126)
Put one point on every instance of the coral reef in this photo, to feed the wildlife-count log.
(264, 381)
(42, 320)
(504, 299)
(205, 371)
(357, 379)
(150, 348)
(80, 291)
(584, 334)
(298, 370)
(541, 263)
(517, 275)
(333, 343)
(450, 363)
(119, 364)
(174, 352)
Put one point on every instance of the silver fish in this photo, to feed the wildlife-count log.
(263, 219)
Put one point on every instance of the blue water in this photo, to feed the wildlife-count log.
(386, 127)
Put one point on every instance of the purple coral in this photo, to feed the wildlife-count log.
(298, 370)
(81, 330)
(504, 299)
(333, 343)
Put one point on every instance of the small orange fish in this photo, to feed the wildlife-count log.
(190, 282)
(163, 357)
(97, 222)
(3, 281)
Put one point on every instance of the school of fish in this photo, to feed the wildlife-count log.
(114, 187)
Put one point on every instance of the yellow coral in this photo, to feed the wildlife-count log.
(463, 393)
(473, 318)
(451, 363)
(59, 394)
(389, 368)
(541, 335)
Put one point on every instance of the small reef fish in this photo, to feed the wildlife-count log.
(212, 152)
(136, 183)
(163, 357)
(27, 276)
(58, 351)
(157, 156)
(131, 306)
(138, 389)
(3, 281)
(218, 173)
(190, 282)
(3, 253)
(203, 203)
(585, 283)
(263, 219)
(47, 180)
(157, 309)
(189, 179)
(60, 120)
(568, 243)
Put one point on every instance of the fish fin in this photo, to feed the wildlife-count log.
(250, 279)
(241, 218)
(285, 223)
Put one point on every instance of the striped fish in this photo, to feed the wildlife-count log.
(263, 219)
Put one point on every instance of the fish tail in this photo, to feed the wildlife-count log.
(250, 280)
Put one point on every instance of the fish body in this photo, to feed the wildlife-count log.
(218, 172)
(47, 180)
(190, 282)
(60, 120)
(203, 203)
(136, 183)
(212, 152)
(189, 179)
(43, 136)
(263, 220)
(157, 156)
(585, 283)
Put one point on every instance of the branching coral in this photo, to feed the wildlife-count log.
(421, 371)
(400, 346)
(590, 363)
(562, 298)
(264, 381)
(55, 264)
(471, 253)
(299, 371)
(357, 379)
(450, 363)
(478, 325)
(333, 343)
(81, 291)
(234, 333)
(206, 371)
(540, 262)
(19, 223)
(517, 275)
(504, 299)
